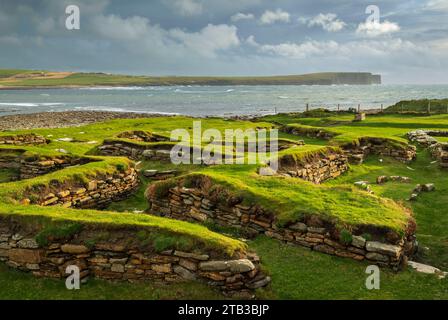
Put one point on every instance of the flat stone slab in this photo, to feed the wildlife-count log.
(424, 268)
(383, 248)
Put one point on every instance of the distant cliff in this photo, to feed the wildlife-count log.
(30, 79)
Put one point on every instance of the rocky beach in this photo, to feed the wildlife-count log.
(63, 119)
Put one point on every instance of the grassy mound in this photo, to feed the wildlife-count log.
(420, 106)
(293, 199)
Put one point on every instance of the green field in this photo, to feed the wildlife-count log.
(296, 272)
(29, 78)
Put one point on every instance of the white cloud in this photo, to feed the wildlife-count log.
(140, 36)
(209, 40)
(334, 50)
(242, 16)
(188, 7)
(437, 5)
(375, 29)
(300, 50)
(251, 41)
(328, 22)
(117, 28)
(271, 17)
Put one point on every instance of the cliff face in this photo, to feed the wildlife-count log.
(357, 78)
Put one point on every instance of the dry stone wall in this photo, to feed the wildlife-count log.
(356, 153)
(438, 150)
(319, 168)
(195, 206)
(142, 136)
(98, 193)
(23, 139)
(379, 146)
(34, 167)
(135, 152)
(122, 257)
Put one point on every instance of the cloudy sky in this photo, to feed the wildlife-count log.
(409, 44)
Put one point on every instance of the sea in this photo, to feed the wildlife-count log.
(219, 101)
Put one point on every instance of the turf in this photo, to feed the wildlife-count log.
(296, 272)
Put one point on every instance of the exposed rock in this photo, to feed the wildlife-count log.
(74, 249)
(184, 273)
(240, 266)
(25, 255)
(423, 268)
(358, 242)
(202, 257)
(388, 249)
(27, 244)
(213, 266)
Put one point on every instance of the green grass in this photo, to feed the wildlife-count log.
(421, 106)
(432, 231)
(292, 199)
(7, 174)
(300, 274)
(296, 272)
(45, 216)
(21, 286)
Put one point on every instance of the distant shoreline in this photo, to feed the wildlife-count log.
(34, 79)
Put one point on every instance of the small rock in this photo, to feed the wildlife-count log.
(429, 187)
(184, 273)
(382, 179)
(358, 242)
(150, 173)
(65, 139)
(413, 197)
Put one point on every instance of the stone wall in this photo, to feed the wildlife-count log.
(195, 206)
(135, 152)
(379, 146)
(309, 132)
(438, 150)
(23, 139)
(10, 158)
(98, 193)
(316, 168)
(124, 257)
(357, 152)
(142, 136)
(34, 167)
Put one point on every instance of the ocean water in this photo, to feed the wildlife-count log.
(213, 100)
